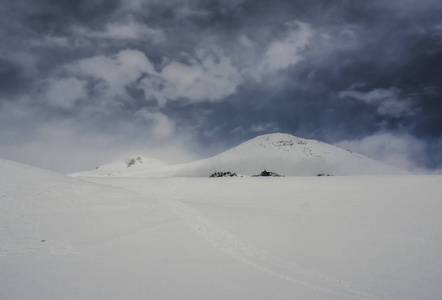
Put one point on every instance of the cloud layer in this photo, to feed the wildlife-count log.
(79, 78)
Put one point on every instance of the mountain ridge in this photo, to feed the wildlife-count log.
(282, 153)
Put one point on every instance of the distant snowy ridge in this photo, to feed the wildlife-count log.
(281, 153)
(130, 166)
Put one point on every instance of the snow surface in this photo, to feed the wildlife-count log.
(281, 153)
(346, 237)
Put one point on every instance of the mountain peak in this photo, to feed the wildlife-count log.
(278, 140)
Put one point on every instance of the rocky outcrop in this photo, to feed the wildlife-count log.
(267, 174)
(132, 161)
(223, 174)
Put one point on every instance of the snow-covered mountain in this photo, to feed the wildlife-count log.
(281, 153)
(288, 155)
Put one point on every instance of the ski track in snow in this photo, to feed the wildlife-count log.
(259, 259)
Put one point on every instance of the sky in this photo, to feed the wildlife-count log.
(85, 82)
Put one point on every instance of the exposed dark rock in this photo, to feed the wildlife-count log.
(131, 161)
(223, 174)
(324, 174)
(268, 174)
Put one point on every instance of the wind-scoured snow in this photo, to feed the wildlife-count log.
(343, 237)
(281, 153)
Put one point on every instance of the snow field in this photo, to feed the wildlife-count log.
(349, 237)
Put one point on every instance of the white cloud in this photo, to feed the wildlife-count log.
(208, 78)
(116, 72)
(60, 147)
(286, 51)
(64, 93)
(388, 101)
(261, 63)
(72, 145)
(402, 151)
(162, 126)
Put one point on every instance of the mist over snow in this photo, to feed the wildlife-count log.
(403, 151)
(87, 82)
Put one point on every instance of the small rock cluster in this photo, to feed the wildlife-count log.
(231, 174)
(131, 161)
(267, 174)
(223, 174)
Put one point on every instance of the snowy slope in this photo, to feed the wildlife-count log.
(130, 166)
(281, 153)
(288, 155)
(64, 238)
(347, 237)
(360, 237)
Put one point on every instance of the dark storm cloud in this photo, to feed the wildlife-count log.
(11, 77)
(113, 76)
